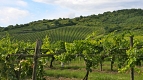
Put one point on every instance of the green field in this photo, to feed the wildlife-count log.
(75, 70)
(67, 34)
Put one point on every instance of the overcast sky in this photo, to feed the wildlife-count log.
(24, 11)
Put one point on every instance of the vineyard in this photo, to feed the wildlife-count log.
(94, 47)
(67, 34)
(21, 60)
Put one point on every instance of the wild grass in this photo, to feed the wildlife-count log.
(76, 69)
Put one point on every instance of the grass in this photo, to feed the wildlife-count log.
(76, 69)
(65, 73)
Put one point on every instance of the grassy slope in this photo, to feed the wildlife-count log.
(67, 34)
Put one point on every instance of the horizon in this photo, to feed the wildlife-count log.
(25, 11)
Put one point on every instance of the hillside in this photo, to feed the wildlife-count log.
(79, 27)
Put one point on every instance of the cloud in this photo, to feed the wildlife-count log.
(21, 3)
(10, 15)
(75, 8)
(17, 3)
(92, 6)
(21, 11)
(61, 15)
(12, 12)
(83, 2)
(70, 15)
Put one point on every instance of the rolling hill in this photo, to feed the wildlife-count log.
(78, 28)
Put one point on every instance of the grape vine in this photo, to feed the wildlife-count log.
(93, 50)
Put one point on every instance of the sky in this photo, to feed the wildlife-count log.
(14, 12)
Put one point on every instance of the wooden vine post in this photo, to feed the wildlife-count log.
(37, 54)
(35, 58)
(132, 68)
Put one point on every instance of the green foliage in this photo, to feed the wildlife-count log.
(17, 67)
(92, 50)
(135, 56)
(10, 65)
(46, 42)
